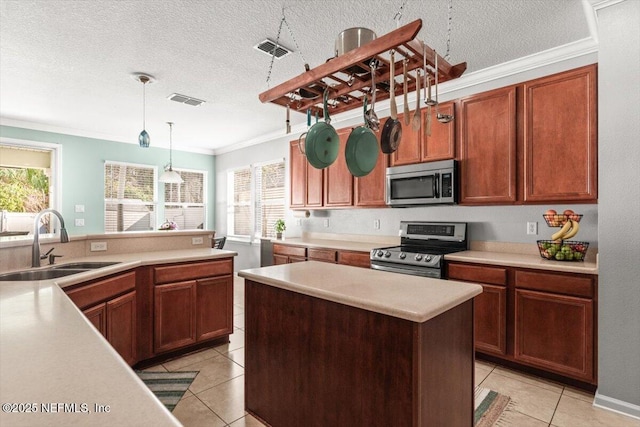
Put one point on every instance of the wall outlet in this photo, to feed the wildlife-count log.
(196, 240)
(326, 222)
(98, 246)
(79, 208)
(532, 228)
(79, 222)
(376, 224)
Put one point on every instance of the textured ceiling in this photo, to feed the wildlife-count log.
(66, 64)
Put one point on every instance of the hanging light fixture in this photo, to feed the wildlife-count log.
(143, 138)
(169, 176)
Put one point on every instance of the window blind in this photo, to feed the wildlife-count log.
(185, 203)
(129, 193)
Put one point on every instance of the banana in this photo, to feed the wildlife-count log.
(564, 230)
(574, 230)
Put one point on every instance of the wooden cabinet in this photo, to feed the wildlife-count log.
(560, 138)
(490, 313)
(323, 255)
(409, 149)
(354, 258)
(440, 145)
(284, 254)
(338, 181)
(488, 160)
(539, 319)
(370, 190)
(554, 323)
(306, 189)
(110, 305)
(192, 303)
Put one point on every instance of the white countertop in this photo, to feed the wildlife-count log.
(412, 298)
(524, 261)
(52, 354)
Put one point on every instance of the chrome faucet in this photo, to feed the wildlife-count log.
(35, 251)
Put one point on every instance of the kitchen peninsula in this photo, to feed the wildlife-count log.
(330, 344)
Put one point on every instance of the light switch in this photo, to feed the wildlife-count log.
(79, 222)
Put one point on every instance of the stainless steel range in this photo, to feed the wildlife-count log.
(422, 248)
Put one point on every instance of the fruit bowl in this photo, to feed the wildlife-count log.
(566, 250)
(558, 220)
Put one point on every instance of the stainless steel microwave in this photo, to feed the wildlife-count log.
(422, 184)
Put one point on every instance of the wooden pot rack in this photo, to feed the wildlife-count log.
(348, 88)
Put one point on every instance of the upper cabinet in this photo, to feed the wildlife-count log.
(409, 149)
(531, 143)
(338, 181)
(560, 137)
(488, 147)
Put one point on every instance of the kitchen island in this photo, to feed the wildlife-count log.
(336, 345)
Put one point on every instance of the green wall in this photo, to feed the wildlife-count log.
(83, 172)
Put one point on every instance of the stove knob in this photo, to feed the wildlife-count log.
(402, 255)
(418, 257)
(379, 253)
(387, 254)
(427, 258)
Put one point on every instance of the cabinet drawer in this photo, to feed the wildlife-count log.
(88, 295)
(298, 251)
(181, 272)
(476, 273)
(327, 255)
(356, 259)
(581, 286)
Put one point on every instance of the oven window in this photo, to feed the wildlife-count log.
(420, 187)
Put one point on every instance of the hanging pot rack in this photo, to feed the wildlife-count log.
(348, 89)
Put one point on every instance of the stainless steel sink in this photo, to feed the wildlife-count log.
(49, 273)
(84, 265)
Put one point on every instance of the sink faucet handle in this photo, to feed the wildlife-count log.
(48, 252)
(52, 258)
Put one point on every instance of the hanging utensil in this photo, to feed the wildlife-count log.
(361, 151)
(372, 119)
(415, 123)
(442, 118)
(288, 121)
(322, 143)
(392, 131)
(304, 133)
(407, 112)
(428, 100)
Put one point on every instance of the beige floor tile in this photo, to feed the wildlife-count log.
(237, 356)
(238, 309)
(186, 394)
(485, 364)
(246, 421)
(212, 372)
(573, 412)
(238, 320)
(156, 368)
(191, 412)
(226, 399)
(578, 394)
(236, 341)
(481, 374)
(529, 399)
(189, 359)
(529, 379)
(512, 418)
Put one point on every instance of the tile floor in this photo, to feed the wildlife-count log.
(216, 397)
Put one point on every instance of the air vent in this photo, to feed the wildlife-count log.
(267, 46)
(184, 99)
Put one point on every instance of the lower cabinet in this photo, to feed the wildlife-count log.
(545, 320)
(284, 254)
(110, 305)
(195, 309)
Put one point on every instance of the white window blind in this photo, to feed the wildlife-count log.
(185, 204)
(130, 198)
(256, 199)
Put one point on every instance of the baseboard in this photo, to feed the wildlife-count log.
(615, 405)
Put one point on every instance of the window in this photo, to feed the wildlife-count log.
(129, 196)
(256, 199)
(28, 184)
(185, 203)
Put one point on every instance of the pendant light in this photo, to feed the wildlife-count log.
(143, 138)
(169, 176)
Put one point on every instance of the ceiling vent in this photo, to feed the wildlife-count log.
(267, 46)
(184, 99)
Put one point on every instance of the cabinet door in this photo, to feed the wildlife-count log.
(174, 315)
(440, 145)
(488, 147)
(338, 181)
(353, 258)
(370, 190)
(298, 174)
(280, 259)
(409, 150)
(560, 145)
(315, 186)
(555, 332)
(214, 298)
(490, 319)
(97, 316)
(121, 326)
(296, 259)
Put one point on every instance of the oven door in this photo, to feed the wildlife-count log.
(413, 188)
(435, 273)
